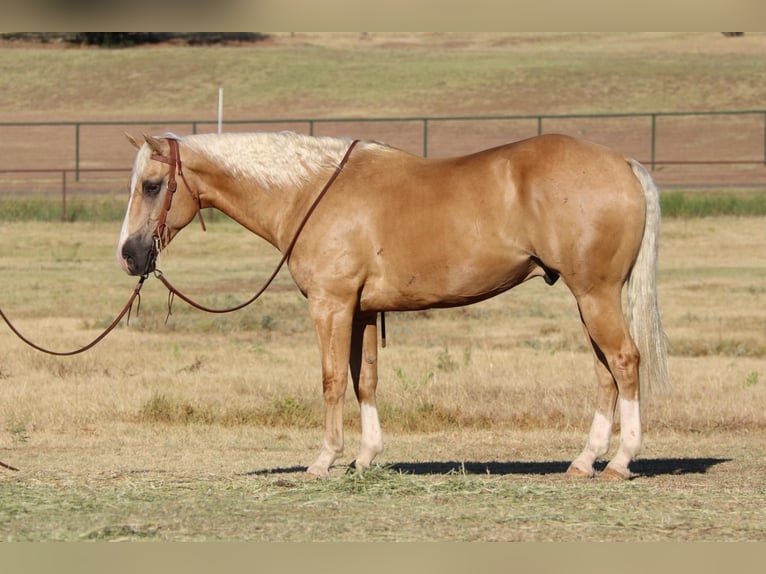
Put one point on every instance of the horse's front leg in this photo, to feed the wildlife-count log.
(364, 373)
(332, 321)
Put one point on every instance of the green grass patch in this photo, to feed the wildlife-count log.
(51, 208)
(743, 203)
(678, 204)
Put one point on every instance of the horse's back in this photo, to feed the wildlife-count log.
(528, 191)
(442, 232)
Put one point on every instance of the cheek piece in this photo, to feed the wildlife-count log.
(161, 237)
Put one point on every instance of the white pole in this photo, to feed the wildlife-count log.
(220, 109)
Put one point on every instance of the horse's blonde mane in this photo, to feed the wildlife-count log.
(272, 159)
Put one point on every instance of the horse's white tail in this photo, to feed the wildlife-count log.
(643, 311)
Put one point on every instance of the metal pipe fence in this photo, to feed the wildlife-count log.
(731, 145)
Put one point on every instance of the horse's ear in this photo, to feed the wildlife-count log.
(154, 143)
(132, 140)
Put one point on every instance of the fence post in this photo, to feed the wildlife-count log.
(764, 138)
(654, 138)
(539, 125)
(63, 195)
(425, 137)
(77, 151)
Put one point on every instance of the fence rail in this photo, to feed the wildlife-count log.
(63, 172)
(708, 139)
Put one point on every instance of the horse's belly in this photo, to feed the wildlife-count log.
(444, 284)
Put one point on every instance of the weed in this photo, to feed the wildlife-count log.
(193, 368)
(268, 323)
(437, 415)
(751, 379)
(409, 384)
(157, 409)
(19, 431)
(289, 411)
(532, 343)
(467, 355)
(160, 408)
(445, 362)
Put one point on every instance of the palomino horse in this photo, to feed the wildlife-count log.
(397, 232)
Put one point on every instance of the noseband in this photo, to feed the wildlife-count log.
(160, 235)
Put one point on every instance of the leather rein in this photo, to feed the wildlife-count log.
(160, 240)
(161, 229)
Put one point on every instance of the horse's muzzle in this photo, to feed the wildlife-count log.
(138, 256)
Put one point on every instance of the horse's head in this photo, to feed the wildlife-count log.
(155, 212)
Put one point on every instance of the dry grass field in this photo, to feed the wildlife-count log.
(200, 428)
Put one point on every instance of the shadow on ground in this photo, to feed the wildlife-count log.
(644, 467)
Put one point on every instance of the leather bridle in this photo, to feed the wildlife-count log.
(161, 234)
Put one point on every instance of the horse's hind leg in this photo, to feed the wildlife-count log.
(364, 373)
(617, 361)
(603, 420)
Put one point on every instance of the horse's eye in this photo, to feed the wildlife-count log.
(152, 187)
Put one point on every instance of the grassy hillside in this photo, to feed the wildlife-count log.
(387, 75)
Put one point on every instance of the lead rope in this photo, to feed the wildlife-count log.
(125, 310)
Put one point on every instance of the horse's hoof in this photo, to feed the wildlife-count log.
(611, 474)
(576, 472)
(314, 472)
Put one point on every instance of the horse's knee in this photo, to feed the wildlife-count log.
(333, 388)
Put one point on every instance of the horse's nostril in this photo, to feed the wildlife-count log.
(129, 258)
(136, 255)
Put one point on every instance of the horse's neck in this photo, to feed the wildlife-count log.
(270, 205)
